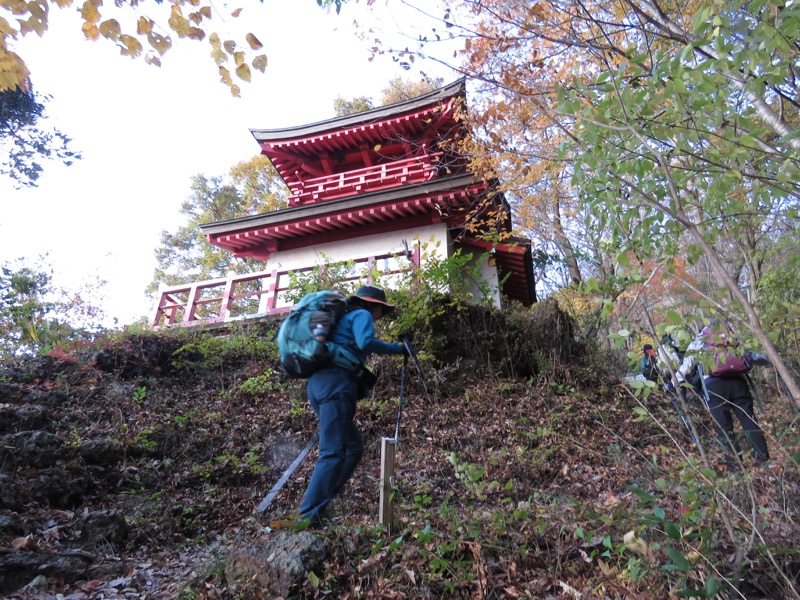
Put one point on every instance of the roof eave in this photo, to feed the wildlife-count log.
(287, 215)
(457, 88)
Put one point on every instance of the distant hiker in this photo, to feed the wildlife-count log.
(669, 358)
(669, 344)
(726, 390)
(648, 363)
(333, 392)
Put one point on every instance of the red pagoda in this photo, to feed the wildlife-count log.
(372, 188)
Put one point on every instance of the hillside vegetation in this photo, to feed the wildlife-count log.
(136, 467)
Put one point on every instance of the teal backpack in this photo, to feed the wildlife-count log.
(302, 337)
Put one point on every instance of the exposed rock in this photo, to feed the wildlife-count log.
(103, 528)
(20, 418)
(10, 496)
(20, 568)
(10, 374)
(9, 392)
(12, 527)
(101, 452)
(58, 488)
(276, 567)
(35, 449)
(46, 397)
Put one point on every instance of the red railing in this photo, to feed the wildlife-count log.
(253, 295)
(369, 179)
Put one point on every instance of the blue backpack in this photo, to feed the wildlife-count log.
(302, 337)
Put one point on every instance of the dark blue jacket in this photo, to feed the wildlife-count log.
(356, 331)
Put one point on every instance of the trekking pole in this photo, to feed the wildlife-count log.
(754, 391)
(286, 474)
(389, 445)
(402, 398)
(388, 451)
(673, 394)
(413, 355)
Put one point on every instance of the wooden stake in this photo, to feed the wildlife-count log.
(386, 506)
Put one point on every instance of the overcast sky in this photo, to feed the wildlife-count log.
(144, 132)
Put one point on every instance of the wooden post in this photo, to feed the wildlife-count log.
(386, 506)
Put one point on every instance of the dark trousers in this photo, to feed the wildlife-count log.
(332, 394)
(727, 397)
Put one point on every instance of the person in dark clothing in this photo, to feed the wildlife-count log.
(725, 397)
(333, 392)
(648, 364)
(730, 396)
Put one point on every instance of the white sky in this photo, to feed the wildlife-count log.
(145, 131)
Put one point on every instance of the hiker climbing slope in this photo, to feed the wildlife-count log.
(726, 390)
(333, 392)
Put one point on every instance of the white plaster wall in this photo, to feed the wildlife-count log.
(487, 272)
(370, 245)
(435, 245)
(362, 247)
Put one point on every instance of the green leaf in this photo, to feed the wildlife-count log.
(712, 586)
(672, 531)
(313, 579)
(640, 492)
(674, 317)
(678, 559)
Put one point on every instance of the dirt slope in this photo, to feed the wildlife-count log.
(507, 485)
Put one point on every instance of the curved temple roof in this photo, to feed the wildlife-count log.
(372, 172)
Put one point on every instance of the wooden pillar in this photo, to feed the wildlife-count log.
(386, 505)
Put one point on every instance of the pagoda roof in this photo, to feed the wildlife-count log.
(360, 119)
(443, 199)
(366, 138)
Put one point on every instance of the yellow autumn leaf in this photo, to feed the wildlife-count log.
(152, 60)
(243, 72)
(225, 76)
(110, 29)
(236, 12)
(38, 16)
(206, 11)
(130, 46)
(217, 53)
(89, 11)
(236, 91)
(63, 3)
(260, 62)
(5, 28)
(159, 42)
(254, 42)
(177, 22)
(13, 72)
(90, 31)
(195, 33)
(230, 46)
(196, 18)
(15, 7)
(238, 58)
(144, 26)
